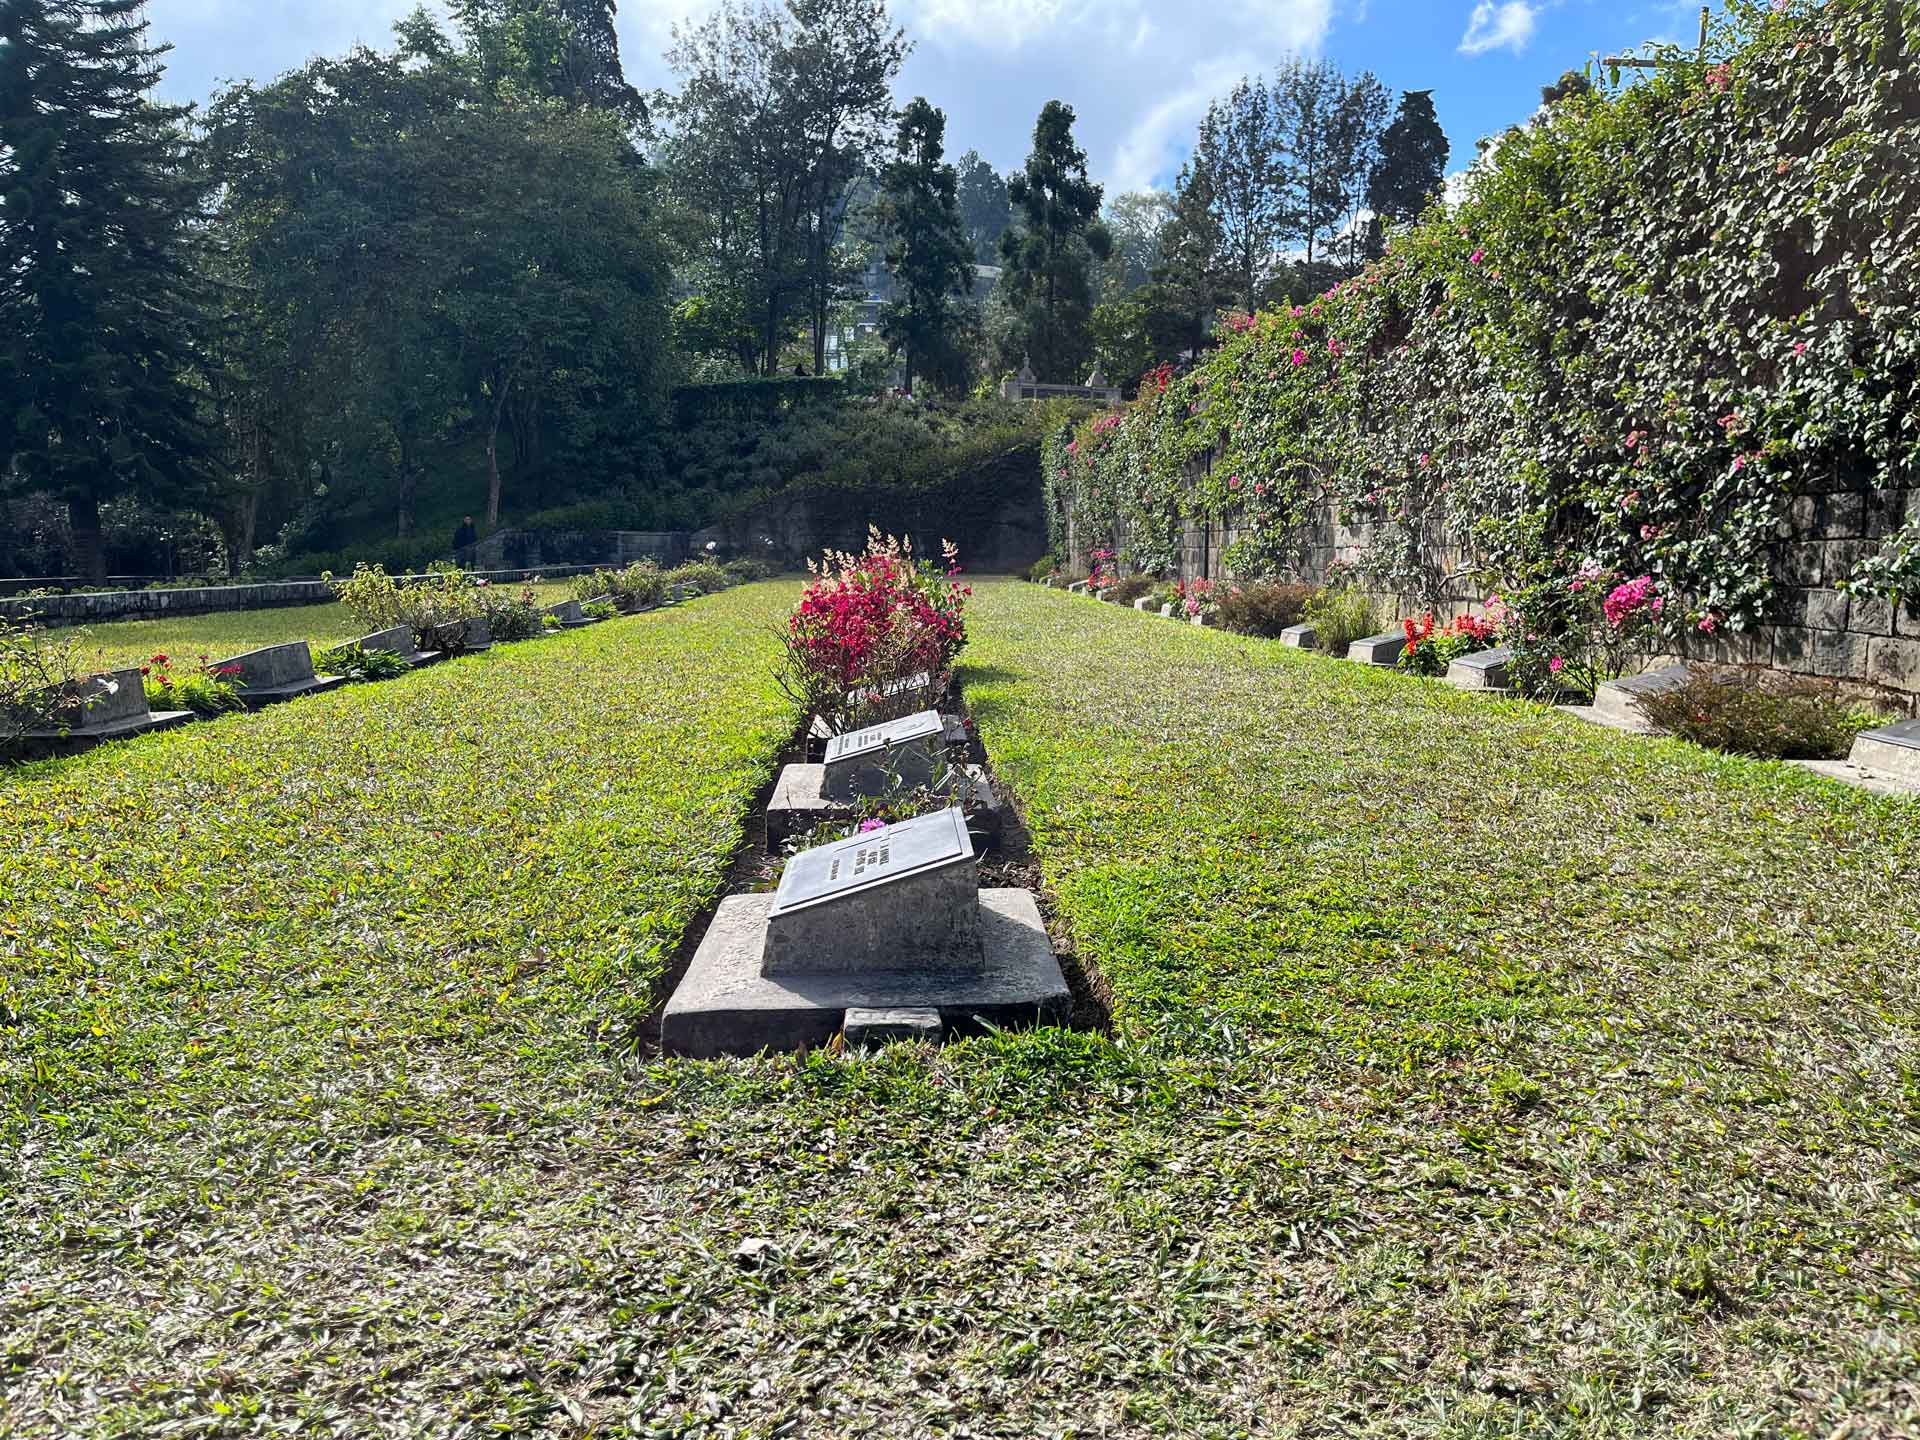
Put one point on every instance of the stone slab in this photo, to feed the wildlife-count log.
(897, 897)
(275, 673)
(1145, 603)
(111, 706)
(1301, 637)
(1385, 648)
(865, 1025)
(1593, 715)
(1848, 773)
(799, 803)
(1892, 751)
(1615, 698)
(400, 641)
(725, 1006)
(479, 635)
(567, 613)
(1482, 670)
(896, 754)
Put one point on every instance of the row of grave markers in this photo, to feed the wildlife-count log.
(884, 934)
(1885, 758)
(113, 705)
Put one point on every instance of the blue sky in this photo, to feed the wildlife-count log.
(1138, 72)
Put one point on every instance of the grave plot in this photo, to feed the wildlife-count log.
(276, 673)
(102, 707)
(926, 755)
(399, 641)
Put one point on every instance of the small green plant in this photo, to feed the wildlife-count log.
(1266, 608)
(1340, 615)
(205, 690)
(1044, 569)
(704, 576)
(353, 663)
(513, 617)
(599, 609)
(1728, 710)
(1895, 571)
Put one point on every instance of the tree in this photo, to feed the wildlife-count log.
(1193, 278)
(1137, 220)
(103, 344)
(1048, 257)
(983, 206)
(565, 49)
(1410, 170)
(1331, 128)
(1242, 154)
(927, 251)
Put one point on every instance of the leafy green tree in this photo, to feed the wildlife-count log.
(1194, 278)
(102, 308)
(927, 251)
(1241, 158)
(1137, 221)
(1410, 170)
(983, 206)
(1330, 126)
(1048, 257)
(563, 49)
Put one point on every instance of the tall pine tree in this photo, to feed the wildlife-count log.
(1410, 170)
(100, 301)
(1048, 257)
(929, 252)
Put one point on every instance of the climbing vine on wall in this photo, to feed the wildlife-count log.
(1658, 313)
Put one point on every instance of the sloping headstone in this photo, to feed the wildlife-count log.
(106, 707)
(902, 896)
(1482, 670)
(567, 613)
(903, 753)
(479, 635)
(1613, 701)
(1302, 637)
(275, 673)
(1892, 750)
(399, 640)
(1385, 648)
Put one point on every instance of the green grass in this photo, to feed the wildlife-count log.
(131, 642)
(1475, 1073)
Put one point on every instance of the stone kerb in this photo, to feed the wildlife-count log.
(1301, 637)
(1614, 703)
(275, 673)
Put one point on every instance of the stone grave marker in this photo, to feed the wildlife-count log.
(885, 921)
(903, 895)
(1145, 603)
(399, 640)
(1482, 670)
(1892, 750)
(105, 707)
(479, 635)
(903, 753)
(1613, 701)
(275, 673)
(1385, 648)
(1301, 637)
(567, 613)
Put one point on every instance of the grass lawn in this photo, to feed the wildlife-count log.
(1474, 1072)
(231, 632)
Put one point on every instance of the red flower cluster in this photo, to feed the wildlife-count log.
(881, 609)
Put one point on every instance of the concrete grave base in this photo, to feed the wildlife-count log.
(1301, 637)
(876, 1027)
(1848, 773)
(400, 641)
(726, 1006)
(1892, 752)
(1483, 670)
(75, 740)
(1594, 715)
(1385, 648)
(1614, 700)
(799, 803)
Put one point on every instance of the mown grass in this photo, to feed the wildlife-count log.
(1475, 1073)
(132, 642)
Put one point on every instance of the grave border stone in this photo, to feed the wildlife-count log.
(287, 668)
(123, 713)
(1482, 670)
(1892, 751)
(1383, 650)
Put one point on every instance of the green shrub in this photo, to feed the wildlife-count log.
(353, 663)
(513, 617)
(706, 576)
(1266, 608)
(1340, 615)
(1728, 710)
(598, 609)
(1044, 569)
(1125, 592)
(35, 669)
(746, 569)
(203, 689)
(638, 587)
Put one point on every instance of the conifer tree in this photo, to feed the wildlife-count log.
(1411, 169)
(929, 252)
(1048, 256)
(101, 353)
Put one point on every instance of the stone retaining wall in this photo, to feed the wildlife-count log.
(1866, 644)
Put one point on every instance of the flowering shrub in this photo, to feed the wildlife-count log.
(1101, 575)
(1574, 633)
(866, 624)
(35, 670)
(513, 617)
(436, 606)
(1197, 599)
(196, 687)
(1432, 647)
(637, 587)
(707, 577)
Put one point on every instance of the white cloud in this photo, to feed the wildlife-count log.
(1147, 150)
(1492, 26)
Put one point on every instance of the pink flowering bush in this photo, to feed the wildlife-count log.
(1576, 632)
(866, 623)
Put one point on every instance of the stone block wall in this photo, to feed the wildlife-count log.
(1867, 645)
